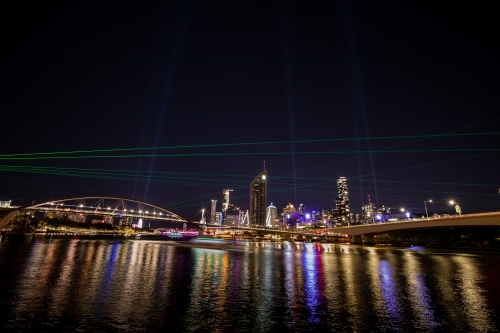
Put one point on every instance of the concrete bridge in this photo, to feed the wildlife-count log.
(364, 234)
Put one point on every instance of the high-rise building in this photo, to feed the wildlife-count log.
(258, 199)
(368, 212)
(225, 204)
(213, 217)
(271, 216)
(225, 199)
(342, 209)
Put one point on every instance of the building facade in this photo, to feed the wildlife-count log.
(213, 210)
(258, 199)
(342, 208)
(271, 213)
(368, 213)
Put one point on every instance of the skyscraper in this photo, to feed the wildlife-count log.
(213, 217)
(225, 199)
(342, 208)
(225, 204)
(258, 199)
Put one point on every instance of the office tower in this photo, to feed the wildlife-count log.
(271, 216)
(213, 217)
(225, 199)
(225, 204)
(342, 209)
(258, 199)
(368, 212)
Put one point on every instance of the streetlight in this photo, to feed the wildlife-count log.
(458, 209)
(426, 214)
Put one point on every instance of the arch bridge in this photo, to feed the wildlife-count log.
(102, 206)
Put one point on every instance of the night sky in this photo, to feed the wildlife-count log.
(402, 98)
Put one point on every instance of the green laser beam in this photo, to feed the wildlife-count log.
(249, 144)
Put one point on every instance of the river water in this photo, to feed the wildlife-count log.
(89, 285)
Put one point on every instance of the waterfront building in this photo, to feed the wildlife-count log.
(258, 199)
(217, 218)
(271, 213)
(342, 212)
(232, 216)
(5, 204)
(367, 213)
(288, 211)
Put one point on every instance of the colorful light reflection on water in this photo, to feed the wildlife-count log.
(136, 285)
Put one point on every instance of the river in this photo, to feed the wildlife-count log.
(90, 285)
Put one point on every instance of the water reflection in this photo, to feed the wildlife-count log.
(151, 286)
(472, 295)
(418, 294)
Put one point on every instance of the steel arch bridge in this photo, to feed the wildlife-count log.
(105, 206)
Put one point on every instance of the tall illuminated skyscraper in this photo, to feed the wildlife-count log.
(225, 199)
(258, 199)
(342, 208)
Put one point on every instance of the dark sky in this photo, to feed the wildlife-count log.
(402, 98)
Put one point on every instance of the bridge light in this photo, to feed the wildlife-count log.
(81, 205)
(140, 211)
(452, 202)
(132, 211)
(108, 208)
(161, 213)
